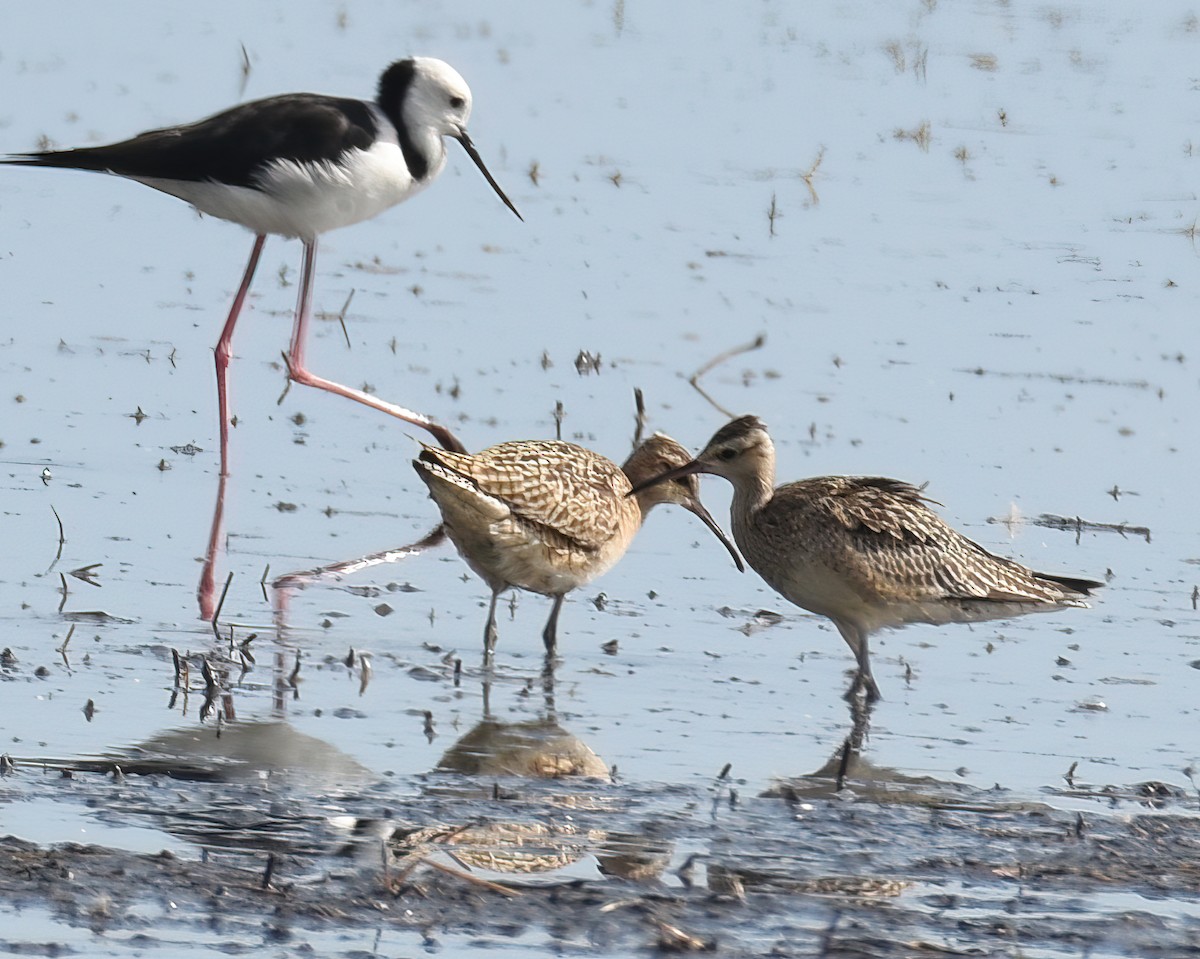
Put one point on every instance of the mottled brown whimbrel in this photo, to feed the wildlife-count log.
(549, 516)
(863, 550)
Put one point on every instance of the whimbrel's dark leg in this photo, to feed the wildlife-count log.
(550, 633)
(490, 633)
(864, 682)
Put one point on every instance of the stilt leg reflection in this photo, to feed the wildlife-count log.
(206, 591)
(282, 586)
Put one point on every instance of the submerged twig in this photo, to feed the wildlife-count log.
(1060, 378)
(639, 406)
(293, 679)
(1051, 521)
(211, 689)
(181, 669)
(62, 650)
(717, 360)
(287, 383)
(220, 604)
(342, 318)
(62, 537)
(210, 677)
(268, 871)
(86, 573)
(245, 72)
(807, 177)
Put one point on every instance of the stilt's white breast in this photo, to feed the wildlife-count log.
(302, 199)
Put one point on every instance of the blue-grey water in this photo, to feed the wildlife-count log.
(981, 274)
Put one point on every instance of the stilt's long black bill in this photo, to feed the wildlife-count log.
(474, 155)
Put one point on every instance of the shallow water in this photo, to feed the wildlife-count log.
(1002, 306)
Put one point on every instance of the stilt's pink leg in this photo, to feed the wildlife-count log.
(300, 374)
(225, 348)
(206, 591)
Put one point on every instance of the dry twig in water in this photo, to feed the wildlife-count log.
(808, 181)
(639, 406)
(717, 360)
(220, 603)
(1051, 521)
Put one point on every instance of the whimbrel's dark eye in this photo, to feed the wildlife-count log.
(457, 102)
(727, 454)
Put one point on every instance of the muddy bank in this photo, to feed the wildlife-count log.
(595, 868)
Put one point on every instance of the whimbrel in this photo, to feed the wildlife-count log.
(549, 516)
(865, 551)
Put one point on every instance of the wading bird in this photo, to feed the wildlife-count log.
(865, 551)
(549, 516)
(299, 165)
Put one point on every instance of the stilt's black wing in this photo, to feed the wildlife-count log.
(232, 146)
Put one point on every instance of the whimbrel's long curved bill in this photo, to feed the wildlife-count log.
(695, 506)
